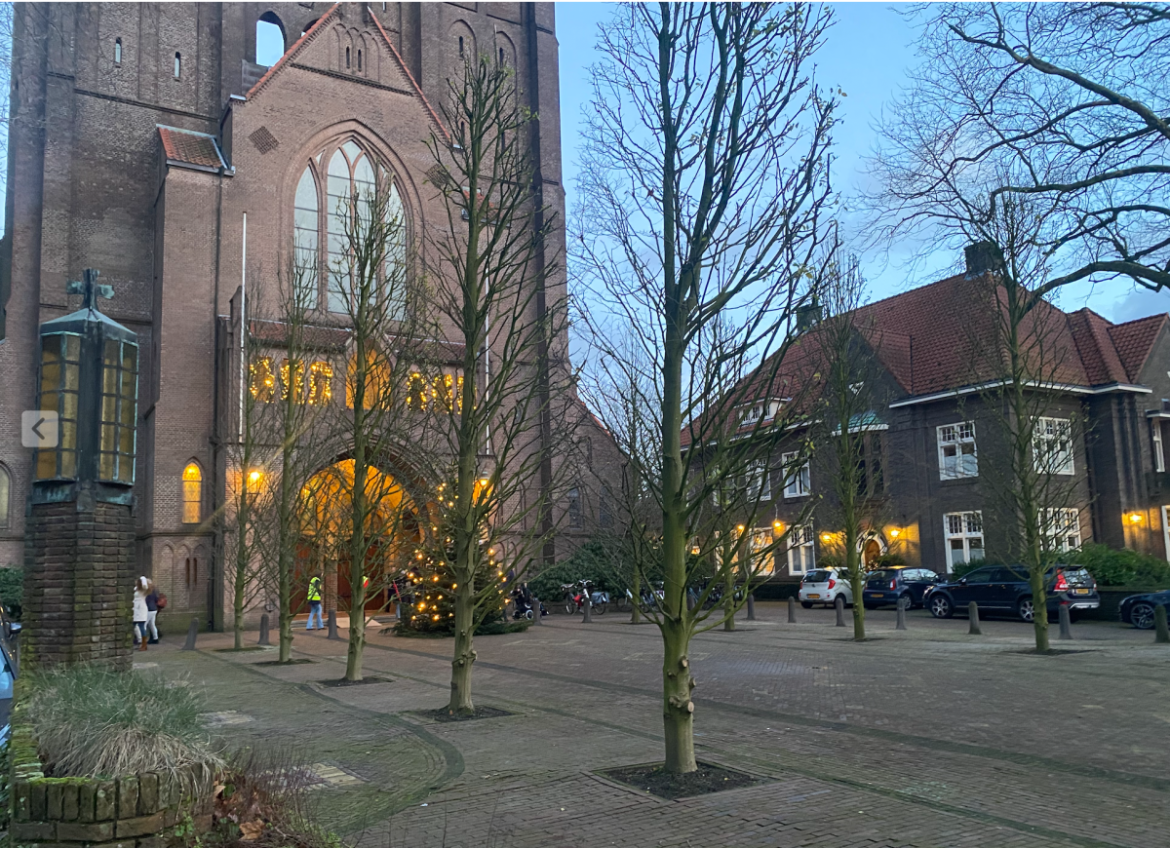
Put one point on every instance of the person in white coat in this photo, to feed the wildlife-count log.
(141, 590)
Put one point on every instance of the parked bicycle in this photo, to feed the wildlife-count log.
(577, 593)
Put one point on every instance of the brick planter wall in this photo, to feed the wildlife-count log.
(144, 810)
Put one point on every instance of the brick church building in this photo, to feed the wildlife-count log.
(147, 142)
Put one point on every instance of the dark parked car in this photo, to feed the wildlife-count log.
(998, 588)
(887, 585)
(1138, 610)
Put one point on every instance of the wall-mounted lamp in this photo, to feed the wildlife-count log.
(895, 533)
(1135, 518)
(826, 537)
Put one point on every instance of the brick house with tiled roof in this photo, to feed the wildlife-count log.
(926, 436)
(148, 143)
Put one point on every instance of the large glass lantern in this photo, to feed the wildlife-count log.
(89, 378)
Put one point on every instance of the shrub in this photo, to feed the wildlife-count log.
(592, 561)
(12, 590)
(889, 559)
(1111, 567)
(966, 567)
(93, 721)
(831, 561)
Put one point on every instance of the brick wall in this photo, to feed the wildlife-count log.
(78, 584)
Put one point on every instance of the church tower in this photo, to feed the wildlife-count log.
(147, 142)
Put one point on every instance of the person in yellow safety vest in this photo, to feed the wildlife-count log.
(314, 596)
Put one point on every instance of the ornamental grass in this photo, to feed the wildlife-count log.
(92, 721)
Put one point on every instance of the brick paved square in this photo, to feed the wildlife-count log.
(925, 737)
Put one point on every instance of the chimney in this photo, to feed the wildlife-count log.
(807, 315)
(982, 256)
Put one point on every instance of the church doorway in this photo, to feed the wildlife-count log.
(392, 536)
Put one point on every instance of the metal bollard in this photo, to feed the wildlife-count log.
(1065, 620)
(973, 614)
(264, 630)
(791, 610)
(1161, 632)
(536, 610)
(587, 605)
(839, 603)
(751, 606)
(333, 625)
(192, 632)
(901, 625)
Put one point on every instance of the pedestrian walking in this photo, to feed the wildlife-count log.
(141, 613)
(314, 596)
(152, 608)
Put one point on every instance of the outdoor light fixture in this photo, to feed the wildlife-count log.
(88, 379)
(778, 526)
(894, 533)
(826, 537)
(1135, 518)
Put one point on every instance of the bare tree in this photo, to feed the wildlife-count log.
(245, 485)
(377, 527)
(287, 392)
(619, 384)
(1021, 352)
(1064, 103)
(491, 261)
(705, 175)
(846, 379)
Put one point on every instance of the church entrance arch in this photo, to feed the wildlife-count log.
(392, 530)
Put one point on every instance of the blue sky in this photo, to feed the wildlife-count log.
(868, 53)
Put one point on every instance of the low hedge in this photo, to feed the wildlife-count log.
(1110, 567)
(1123, 568)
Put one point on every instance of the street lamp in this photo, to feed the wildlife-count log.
(88, 376)
(80, 533)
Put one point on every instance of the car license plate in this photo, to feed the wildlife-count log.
(814, 596)
(878, 594)
(1080, 591)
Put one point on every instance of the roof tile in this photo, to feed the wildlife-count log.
(191, 148)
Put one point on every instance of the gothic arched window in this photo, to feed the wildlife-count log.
(192, 494)
(332, 195)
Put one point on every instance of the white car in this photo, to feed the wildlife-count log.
(822, 586)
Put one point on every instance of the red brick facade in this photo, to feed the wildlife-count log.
(145, 168)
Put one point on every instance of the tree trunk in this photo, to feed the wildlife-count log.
(636, 591)
(857, 584)
(729, 601)
(464, 658)
(285, 601)
(678, 719)
(357, 635)
(1040, 610)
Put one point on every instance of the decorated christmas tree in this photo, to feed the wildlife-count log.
(432, 590)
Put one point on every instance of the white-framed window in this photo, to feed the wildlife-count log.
(964, 535)
(797, 478)
(763, 565)
(1156, 436)
(957, 456)
(801, 549)
(1052, 450)
(757, 485)
(1062, 529)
